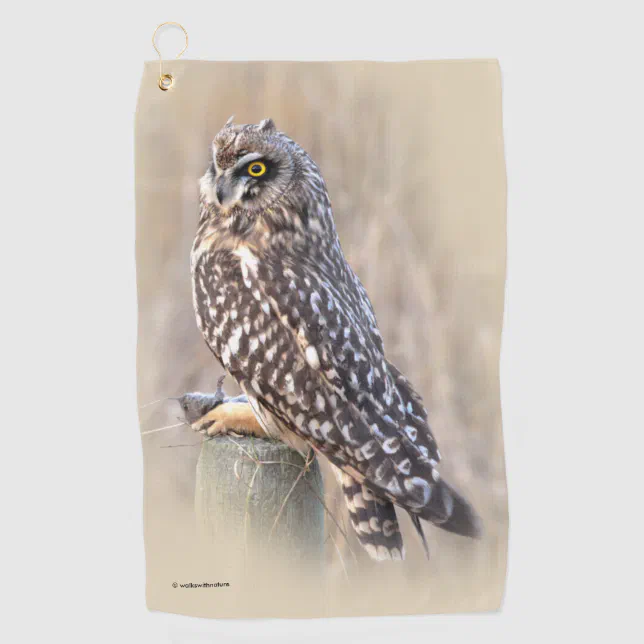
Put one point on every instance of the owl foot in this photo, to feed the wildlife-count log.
(230, 418)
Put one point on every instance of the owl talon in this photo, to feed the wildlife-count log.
(216, 428)
(230, 417)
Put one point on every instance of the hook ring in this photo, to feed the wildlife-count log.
(166, 81)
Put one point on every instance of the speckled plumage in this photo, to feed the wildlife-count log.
(286, 316)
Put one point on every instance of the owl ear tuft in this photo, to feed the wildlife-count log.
(267, 125)
(229, 122)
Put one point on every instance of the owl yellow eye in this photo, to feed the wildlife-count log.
(256, 169)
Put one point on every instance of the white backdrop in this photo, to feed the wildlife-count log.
(572, 346)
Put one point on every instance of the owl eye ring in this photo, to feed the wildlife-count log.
(256, 169)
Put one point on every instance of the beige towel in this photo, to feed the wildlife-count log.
(412, 155)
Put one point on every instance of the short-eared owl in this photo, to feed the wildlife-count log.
(287, 317)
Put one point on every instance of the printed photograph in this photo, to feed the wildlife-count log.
(321, 269)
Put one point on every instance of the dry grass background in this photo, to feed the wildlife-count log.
(413, 158)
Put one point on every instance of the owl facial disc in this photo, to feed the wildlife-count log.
(252, 167)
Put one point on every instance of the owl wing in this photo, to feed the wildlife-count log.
(323, 374)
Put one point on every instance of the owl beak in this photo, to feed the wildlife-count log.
(227, 192)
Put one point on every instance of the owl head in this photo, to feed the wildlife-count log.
(252, 167)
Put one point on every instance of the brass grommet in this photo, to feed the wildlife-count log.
(166, 82)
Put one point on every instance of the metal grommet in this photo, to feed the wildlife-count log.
(166, 82)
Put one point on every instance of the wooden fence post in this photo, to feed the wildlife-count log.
(258, 498)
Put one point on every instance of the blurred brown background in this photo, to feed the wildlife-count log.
(412, 154)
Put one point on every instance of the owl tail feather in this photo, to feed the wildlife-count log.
(461, 517)
(373, 520)
(415, 519)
